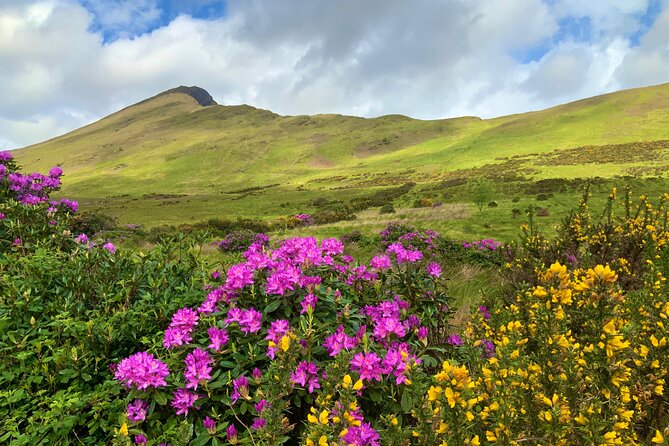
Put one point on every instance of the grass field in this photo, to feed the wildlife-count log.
(168, 160)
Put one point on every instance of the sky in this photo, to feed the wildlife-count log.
(66, 63)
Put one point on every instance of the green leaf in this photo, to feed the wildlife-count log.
(406, 402)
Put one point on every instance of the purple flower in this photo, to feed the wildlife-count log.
(380, 262)
(142, 371)
(210, 425)
(231, 434)
(5, 155)
(454, 340)
(363, 435)
(240, 388)
(17, 242)
(55, 171)
(239, 276)
(339, 341)
(82, 239)
(306, 375)
(175, 336)
(258, 423)
(137, 410)
(2, 216)
(257, 375)
(183, 400)
(109, 246)
(488, 348)
(218, 337)
(434, 269)
(250, 321)
(422, 333)
(261, 405)
(485, 312)
(140, 439)
(309, 302)
(368, 365)
(198, 368)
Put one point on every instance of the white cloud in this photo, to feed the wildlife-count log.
(423, 58)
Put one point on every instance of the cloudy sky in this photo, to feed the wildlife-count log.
(65, 63)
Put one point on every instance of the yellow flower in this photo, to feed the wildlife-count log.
(658, 438)
(285, 343)
(124, 429)
(347, 381)
(323, 441)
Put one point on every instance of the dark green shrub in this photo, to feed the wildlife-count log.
(493, 204)
(387, 209)
(90, 223)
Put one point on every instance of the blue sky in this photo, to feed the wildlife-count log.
(67, 63)
(142, 16)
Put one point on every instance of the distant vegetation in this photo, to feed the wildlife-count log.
(171, 161)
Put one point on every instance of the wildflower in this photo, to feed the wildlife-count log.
(380, 262)
(434, 269)
(251, 321)
(338, 341)
(176, 337)
(17, 242)
(140, 439)
(422, 333)
(218, 337)
(55, 171)
(368, 365)
(309, 302)
(257, 375)
(210, 425)
(198, 368)
(109, 246)
(454, 340)
(142, 371)
(332, 246)
(183, 400)
(363, 435)
(2, 216)
(484, 310)
(261, 405)
(81, 239)
(6, 155)
(306, 375)
(275, 334)
(137, 410)
(231, 434)
(239, 276)
(258, 423)
(240, 388)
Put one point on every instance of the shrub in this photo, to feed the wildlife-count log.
(92, 223)
(238, 241)
(329, 333)
(387, 209)
(544, 197)
(492, 204)
(543, 212)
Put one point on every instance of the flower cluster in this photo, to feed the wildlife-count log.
(486, 244)
(141, 371)
(324, 330)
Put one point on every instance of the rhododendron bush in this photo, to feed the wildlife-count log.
(292, 335)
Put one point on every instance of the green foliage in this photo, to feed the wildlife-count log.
(482, 192)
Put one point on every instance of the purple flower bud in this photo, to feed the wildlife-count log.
(210, 425)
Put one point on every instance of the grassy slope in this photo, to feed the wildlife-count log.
(169, 144)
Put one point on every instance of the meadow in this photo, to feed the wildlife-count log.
(227, 275)
(403, 336)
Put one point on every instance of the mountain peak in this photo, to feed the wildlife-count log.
(201, 95)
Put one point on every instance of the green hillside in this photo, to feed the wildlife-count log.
(169, 159)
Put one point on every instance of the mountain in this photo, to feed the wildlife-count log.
(199, 158)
